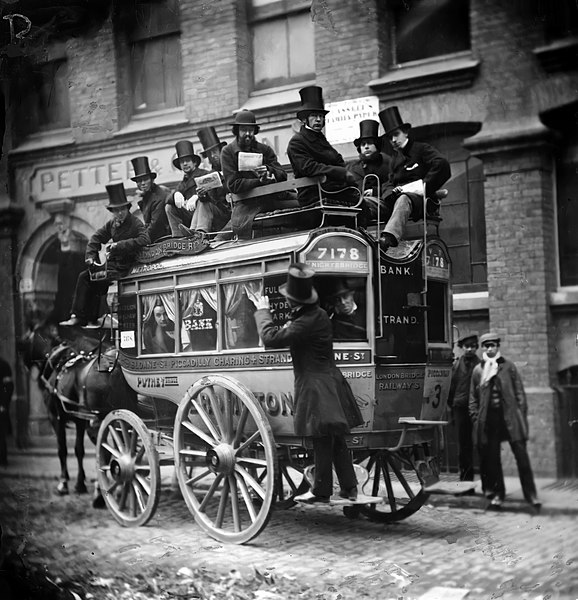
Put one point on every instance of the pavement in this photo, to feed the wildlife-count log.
(452, 548)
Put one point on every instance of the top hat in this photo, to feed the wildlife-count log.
(341, 289)
(391, 119)
(245, 117)
(368, 129)
(209, 139)
(468, 338)
(489, 337)
(185, 148)
(299, 286)
(311, 101)
(140, 164)
(117, 196)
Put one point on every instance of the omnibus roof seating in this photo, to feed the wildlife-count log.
(324, 211)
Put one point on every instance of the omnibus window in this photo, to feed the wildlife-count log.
(198, 319)
(437, 311)
(158, 323)
(344, 299)
(239, 301)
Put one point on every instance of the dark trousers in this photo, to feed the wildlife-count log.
(4, 431)
(87, 295)
(328, 451)
(491, 460)
(465, 442)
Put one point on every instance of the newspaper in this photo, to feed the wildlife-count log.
(414, 187)
(209, 181)
(249, 161)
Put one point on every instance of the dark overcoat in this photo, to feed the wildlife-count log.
(324, 402)
(377, 165)
(152, 207)
(462, 370)
(515, 406)
(129, 238)
(418, 161)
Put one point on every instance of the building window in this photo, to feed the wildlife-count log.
(463, 225)
(44, 103)
(560, 18)
(424, 29)
(155, 56)
(283, 47)
(567, 194)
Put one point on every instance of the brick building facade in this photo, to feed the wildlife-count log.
(492, 84)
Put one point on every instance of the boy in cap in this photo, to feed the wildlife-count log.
(373, 162)
(458, 401)
(411, 162)
(311, 154)
(151, 198)
(499, 412)
(128, 235)
(240, 179)
(183, 203)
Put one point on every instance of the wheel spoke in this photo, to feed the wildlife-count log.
(388, 485)
(112, 450)
(246, 497)
(222, 503)
(250, 480)
(202, 475)
(210, 492)
(235, 503)
(401, 478)
(116, 438)
(214, 400)
(228, 416)
(196, 431)
(114, 485)
(144, 483)
(241, 425)
(123, 496)
(249, 460)
(125, 433)
(206, 420)
(247, 442)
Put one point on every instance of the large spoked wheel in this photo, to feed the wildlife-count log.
(225, 459)
(127, 468)
(291, 479)
(396, 477)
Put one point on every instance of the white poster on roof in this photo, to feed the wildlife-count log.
(342, 121)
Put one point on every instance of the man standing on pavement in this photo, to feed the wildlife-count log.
(412, 161)
(311, 154)
(499, 409)
(248, 164)
(123, 236)
(374, 163)
(458, 402)
(151, 198)
(184, 202)
(6, 391)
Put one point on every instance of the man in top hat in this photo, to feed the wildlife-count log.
(184, 202)
(311, 154)
(374, 163)
(151, 198)
(412, 161)
(499, 412)
(123, 235)
(348, 319)
(240, 178)
(458, 401)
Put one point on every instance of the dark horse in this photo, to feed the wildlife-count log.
(81, 382)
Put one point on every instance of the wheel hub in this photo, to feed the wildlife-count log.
(221, 459)
(122, 468)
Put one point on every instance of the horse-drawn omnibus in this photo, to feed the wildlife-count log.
(220, 405)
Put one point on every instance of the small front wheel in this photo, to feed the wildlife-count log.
(127, 468)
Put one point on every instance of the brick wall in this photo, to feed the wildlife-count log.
(92, 85)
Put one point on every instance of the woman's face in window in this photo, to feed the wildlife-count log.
(161, 317)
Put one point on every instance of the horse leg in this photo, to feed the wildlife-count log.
(62, 487)
(80, 487)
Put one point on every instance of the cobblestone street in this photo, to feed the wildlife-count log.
(450, 543)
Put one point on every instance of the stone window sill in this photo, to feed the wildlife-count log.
(45, 139)
(560, 55)
(472, 301)
(275, 97)
(420, 78)
(564, 298)
(154, 120)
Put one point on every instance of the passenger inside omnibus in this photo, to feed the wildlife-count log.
(347, 310)
(158, 329)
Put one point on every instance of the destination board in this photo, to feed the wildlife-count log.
(337, 253)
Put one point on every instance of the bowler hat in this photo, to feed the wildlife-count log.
(311, 101)
(340, 289)
(140, 164)
(299, 286)
(245, 117)
(184, 149)
(489, 337)
(467, 338)
(209, 139)
(391, 119)
(117, 196)
(368, 129)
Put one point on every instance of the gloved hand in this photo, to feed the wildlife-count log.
(349, 178)
(191, 203)
(179, 199)
(263, 302)
(89, 262)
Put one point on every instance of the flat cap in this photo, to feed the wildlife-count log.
(489, 337)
